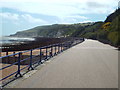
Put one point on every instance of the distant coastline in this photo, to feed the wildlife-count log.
(20, 44)
(13, 40)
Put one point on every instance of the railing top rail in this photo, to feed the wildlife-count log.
(25, 51)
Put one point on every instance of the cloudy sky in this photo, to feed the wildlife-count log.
(17, 15)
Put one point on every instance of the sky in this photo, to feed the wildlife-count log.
(19, 15)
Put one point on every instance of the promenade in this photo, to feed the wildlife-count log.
(90, 64)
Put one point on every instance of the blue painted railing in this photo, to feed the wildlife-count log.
(50, 51)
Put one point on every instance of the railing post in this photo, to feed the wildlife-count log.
(46, 53)
(58, 48)
(66, 46)
(61, 47)
(40, 57)
(83, 39)
(69, 44)
(51, 54)
(18, 71)
(55, 50)
(30, 67)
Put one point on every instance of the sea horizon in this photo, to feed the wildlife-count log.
(9, 40)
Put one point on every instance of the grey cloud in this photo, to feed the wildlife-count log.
(95, 5)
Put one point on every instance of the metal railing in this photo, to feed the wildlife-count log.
(42, 55)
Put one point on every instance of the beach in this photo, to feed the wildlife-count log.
(12, 59)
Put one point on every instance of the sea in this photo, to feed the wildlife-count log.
(11, 40)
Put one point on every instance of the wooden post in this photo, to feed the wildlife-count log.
(14, 57)
(7, 61)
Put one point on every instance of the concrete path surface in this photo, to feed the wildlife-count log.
(90, 64)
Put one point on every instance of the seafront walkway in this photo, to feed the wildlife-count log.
(90, 64)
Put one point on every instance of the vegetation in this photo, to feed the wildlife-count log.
(106, 32)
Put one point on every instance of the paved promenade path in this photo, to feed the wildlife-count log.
(90, 64)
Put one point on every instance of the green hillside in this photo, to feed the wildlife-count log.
(106, 32)
(56, 30)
